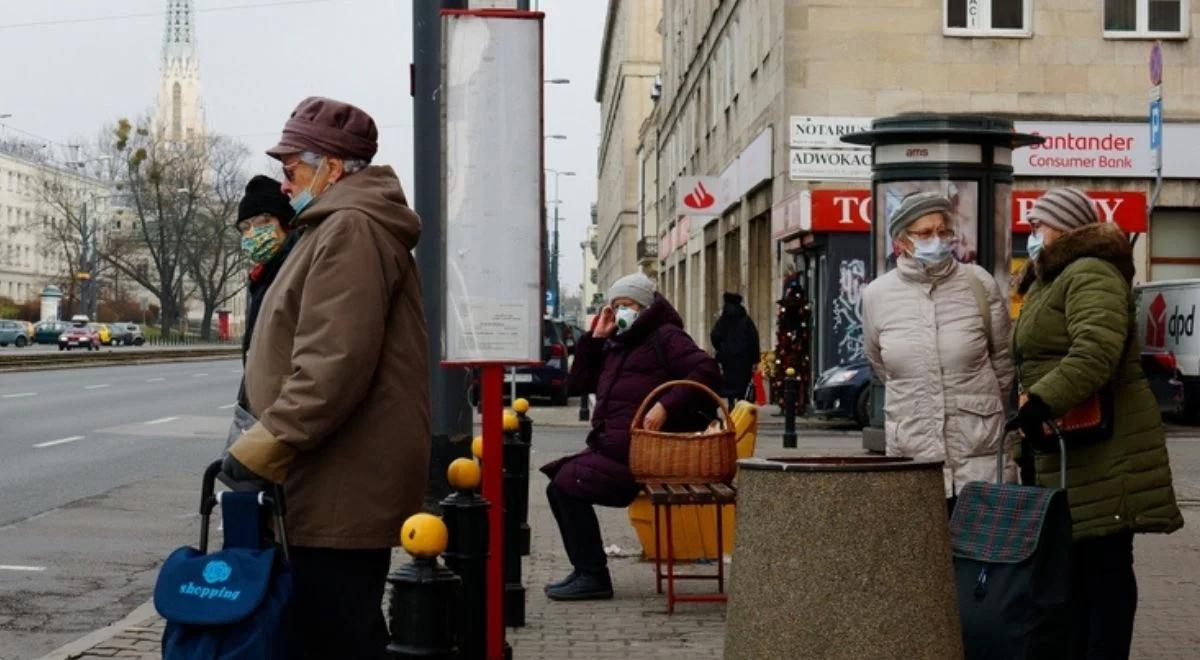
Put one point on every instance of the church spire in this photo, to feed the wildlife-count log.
(180, 115)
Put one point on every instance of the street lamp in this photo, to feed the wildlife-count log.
(556, 136)
(5, 116)
(557, 81)
(554, 243)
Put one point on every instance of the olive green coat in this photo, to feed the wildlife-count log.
(1067, 344)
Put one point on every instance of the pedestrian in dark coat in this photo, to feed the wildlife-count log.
(1076, 335)
(264, 220)
(636, 344)
(735, 340)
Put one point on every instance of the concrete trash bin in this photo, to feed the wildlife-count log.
(842, 557)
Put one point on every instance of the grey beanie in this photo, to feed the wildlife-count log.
(637, 287)
(916, 206)
(1064, 209)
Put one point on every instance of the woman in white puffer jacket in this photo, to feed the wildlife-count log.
(927, 340)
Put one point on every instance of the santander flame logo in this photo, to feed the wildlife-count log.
(1156, 323)
(699, 198)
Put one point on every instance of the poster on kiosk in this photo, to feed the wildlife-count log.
(492, 200)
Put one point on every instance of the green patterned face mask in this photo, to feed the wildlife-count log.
(262, 243)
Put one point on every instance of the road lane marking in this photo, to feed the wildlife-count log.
(62, 441)
(18, 395)
(226, 407)
(199, 375)
(164, 420)
(98, 387)
(30, 569)
(155, 380)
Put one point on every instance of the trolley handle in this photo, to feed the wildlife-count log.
(1062, 456)
(209, 499)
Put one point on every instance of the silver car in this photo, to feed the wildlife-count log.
(16, 333)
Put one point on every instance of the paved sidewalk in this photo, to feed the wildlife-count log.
(634, 624)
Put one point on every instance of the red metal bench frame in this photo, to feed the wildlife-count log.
(668, 496)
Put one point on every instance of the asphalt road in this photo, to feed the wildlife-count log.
(98, 482)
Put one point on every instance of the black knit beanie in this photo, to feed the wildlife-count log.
(263, 195)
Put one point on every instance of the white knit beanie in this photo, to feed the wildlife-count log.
(637, 287)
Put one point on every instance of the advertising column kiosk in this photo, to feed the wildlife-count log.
(967, 158)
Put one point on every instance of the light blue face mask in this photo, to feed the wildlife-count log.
(306, 196)
(1034, 245)
(931, 251)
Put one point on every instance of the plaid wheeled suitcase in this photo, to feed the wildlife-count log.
(1012, 566)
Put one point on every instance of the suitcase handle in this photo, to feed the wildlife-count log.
(209, 499)
(1062, 456)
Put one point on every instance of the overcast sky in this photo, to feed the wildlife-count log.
(71, 66)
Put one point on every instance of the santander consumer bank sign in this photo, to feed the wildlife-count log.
(1099, 149)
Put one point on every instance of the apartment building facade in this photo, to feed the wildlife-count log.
(756, 93)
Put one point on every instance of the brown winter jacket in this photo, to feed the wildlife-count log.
(336, 372)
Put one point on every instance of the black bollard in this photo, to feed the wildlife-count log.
(789, 409)
(584, 413)
(516, 500)
(466, 516)
(526, 438)
(422, 611)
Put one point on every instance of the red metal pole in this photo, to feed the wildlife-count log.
(493, 492)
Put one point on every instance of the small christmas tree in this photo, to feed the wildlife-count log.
(792, 340)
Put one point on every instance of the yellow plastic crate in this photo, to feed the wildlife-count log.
(694, 528)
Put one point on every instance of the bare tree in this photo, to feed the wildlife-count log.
(68, 224)
(162, 185)
(214, 256)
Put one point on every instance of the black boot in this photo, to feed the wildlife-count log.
(586, 586)
(561, 583)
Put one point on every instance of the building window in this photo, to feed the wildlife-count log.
(988, 18)
(1135, 19)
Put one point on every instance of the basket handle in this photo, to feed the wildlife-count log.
(653, 397)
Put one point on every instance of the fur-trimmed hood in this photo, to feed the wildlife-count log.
(1102, 241)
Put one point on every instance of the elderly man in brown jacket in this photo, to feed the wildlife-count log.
(336, 375)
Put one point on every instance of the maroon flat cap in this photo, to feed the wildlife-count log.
(329, 128)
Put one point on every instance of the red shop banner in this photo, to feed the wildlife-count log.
(1126, 209)
(841, 210)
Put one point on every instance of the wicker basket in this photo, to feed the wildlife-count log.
(658, 457)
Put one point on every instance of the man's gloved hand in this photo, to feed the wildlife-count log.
(235, 470)
(1031, 419)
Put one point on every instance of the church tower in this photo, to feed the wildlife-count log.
(180, 115)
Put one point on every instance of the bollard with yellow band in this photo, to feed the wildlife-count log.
(423, 603)
(466, 516)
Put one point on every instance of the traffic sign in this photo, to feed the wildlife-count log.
(1156, 63)
(1156, 132)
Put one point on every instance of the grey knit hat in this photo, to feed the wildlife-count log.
(916, 206)
(637, 287)
(1064, 209)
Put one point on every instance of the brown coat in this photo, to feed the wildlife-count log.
(336, 371)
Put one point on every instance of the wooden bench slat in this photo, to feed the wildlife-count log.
(678, 494)
(723, 493)
(690, 493)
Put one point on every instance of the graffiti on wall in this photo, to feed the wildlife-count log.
(847, 310)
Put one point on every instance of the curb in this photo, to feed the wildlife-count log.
(126, 359)
(87, 642)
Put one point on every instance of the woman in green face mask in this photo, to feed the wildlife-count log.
(264, 216)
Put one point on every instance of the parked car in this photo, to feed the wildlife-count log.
(103, 332)
(119, 334)
(135, 337)
(80, 334)
(15, 333)
(844, 392)
(47, 332)
(546, 380)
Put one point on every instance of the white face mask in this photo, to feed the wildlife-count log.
(625, 318)
(1035, 244)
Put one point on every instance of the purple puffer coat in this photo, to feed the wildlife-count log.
(622, 371)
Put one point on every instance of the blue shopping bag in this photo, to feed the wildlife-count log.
(230, 604)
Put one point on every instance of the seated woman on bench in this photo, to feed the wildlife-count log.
(637, 343)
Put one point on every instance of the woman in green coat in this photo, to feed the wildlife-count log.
(1076, 335)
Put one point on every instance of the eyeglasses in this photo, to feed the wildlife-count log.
(289, 171)
(255, 221)
(942, 233)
